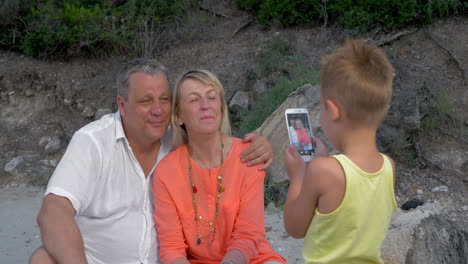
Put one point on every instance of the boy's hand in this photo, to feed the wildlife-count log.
(320, 148)
(294, 164)
(259, 151)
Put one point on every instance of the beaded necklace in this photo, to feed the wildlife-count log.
(198, 218)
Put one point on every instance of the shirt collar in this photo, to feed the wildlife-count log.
(119, 131)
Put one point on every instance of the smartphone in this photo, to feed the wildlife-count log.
(300, 132)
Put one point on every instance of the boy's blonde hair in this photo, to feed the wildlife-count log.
(179, 133)
(359, 77)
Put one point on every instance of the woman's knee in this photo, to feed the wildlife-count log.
(41, 256)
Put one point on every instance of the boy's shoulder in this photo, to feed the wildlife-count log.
(325, 170)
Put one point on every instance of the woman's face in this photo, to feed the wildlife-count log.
(199, 107)
(299, 124)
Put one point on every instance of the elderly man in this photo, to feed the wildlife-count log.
(97, 206)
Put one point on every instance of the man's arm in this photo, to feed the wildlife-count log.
(180, 261)
(259, 151)
(60, 234)
(234, 256)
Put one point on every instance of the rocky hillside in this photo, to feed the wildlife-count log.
(42, 103)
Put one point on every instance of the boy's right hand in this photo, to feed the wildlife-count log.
(294, 164)
(320, 148)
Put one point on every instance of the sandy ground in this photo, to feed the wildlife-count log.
(19, 233)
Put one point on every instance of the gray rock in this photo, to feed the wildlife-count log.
(271, 208)
(13, 164)
(437, 240)
(29, 93)
(101, 112)
(441, 188)
(260, 86)
(43, 141)
(80, 104)
(87, 112)
(240, 101)
(400, 234)
(53, 146)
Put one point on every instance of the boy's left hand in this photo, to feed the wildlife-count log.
(259, 151)
(294, 164)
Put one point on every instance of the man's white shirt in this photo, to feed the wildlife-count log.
(112, 198)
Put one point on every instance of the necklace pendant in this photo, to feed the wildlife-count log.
(194, 189)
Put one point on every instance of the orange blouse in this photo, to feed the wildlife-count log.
(239, 225)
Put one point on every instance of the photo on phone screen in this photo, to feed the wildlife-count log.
(299, 130)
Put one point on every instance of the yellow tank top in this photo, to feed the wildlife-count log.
(354, 232)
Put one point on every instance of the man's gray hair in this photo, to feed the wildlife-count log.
(147, 66)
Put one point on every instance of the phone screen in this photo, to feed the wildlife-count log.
(300, 132)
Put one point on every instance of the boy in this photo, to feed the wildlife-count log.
(343, 204)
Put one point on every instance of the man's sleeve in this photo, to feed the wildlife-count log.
(78, 172)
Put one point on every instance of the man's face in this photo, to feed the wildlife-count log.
(294, 123)
(146, 113)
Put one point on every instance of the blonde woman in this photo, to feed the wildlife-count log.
(209, 204)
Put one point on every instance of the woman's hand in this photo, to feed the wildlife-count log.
(259, 151)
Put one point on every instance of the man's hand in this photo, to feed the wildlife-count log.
(259, 151)
(294, 164)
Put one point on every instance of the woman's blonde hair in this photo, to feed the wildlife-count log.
(179, 133)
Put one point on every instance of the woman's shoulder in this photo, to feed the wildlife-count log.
(238, 146)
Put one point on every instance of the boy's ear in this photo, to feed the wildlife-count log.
(334, 109)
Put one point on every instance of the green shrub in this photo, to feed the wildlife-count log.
(274, 192)
(55, 28)
(362, 15)
(366, 14)
(278, 57)
(284, 12)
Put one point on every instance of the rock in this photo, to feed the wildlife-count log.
(101, 112)
(437, 240)
(29, 93)
(13, 164)
(441, 188)
(53, 146)
(271, 208)
(80, 104)
(43, 141)
(240, 101)
(412, 121)
(87, 112)
(411, 204)
(260, 86)
(275, 130)
(400, 234)
(464, 166)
